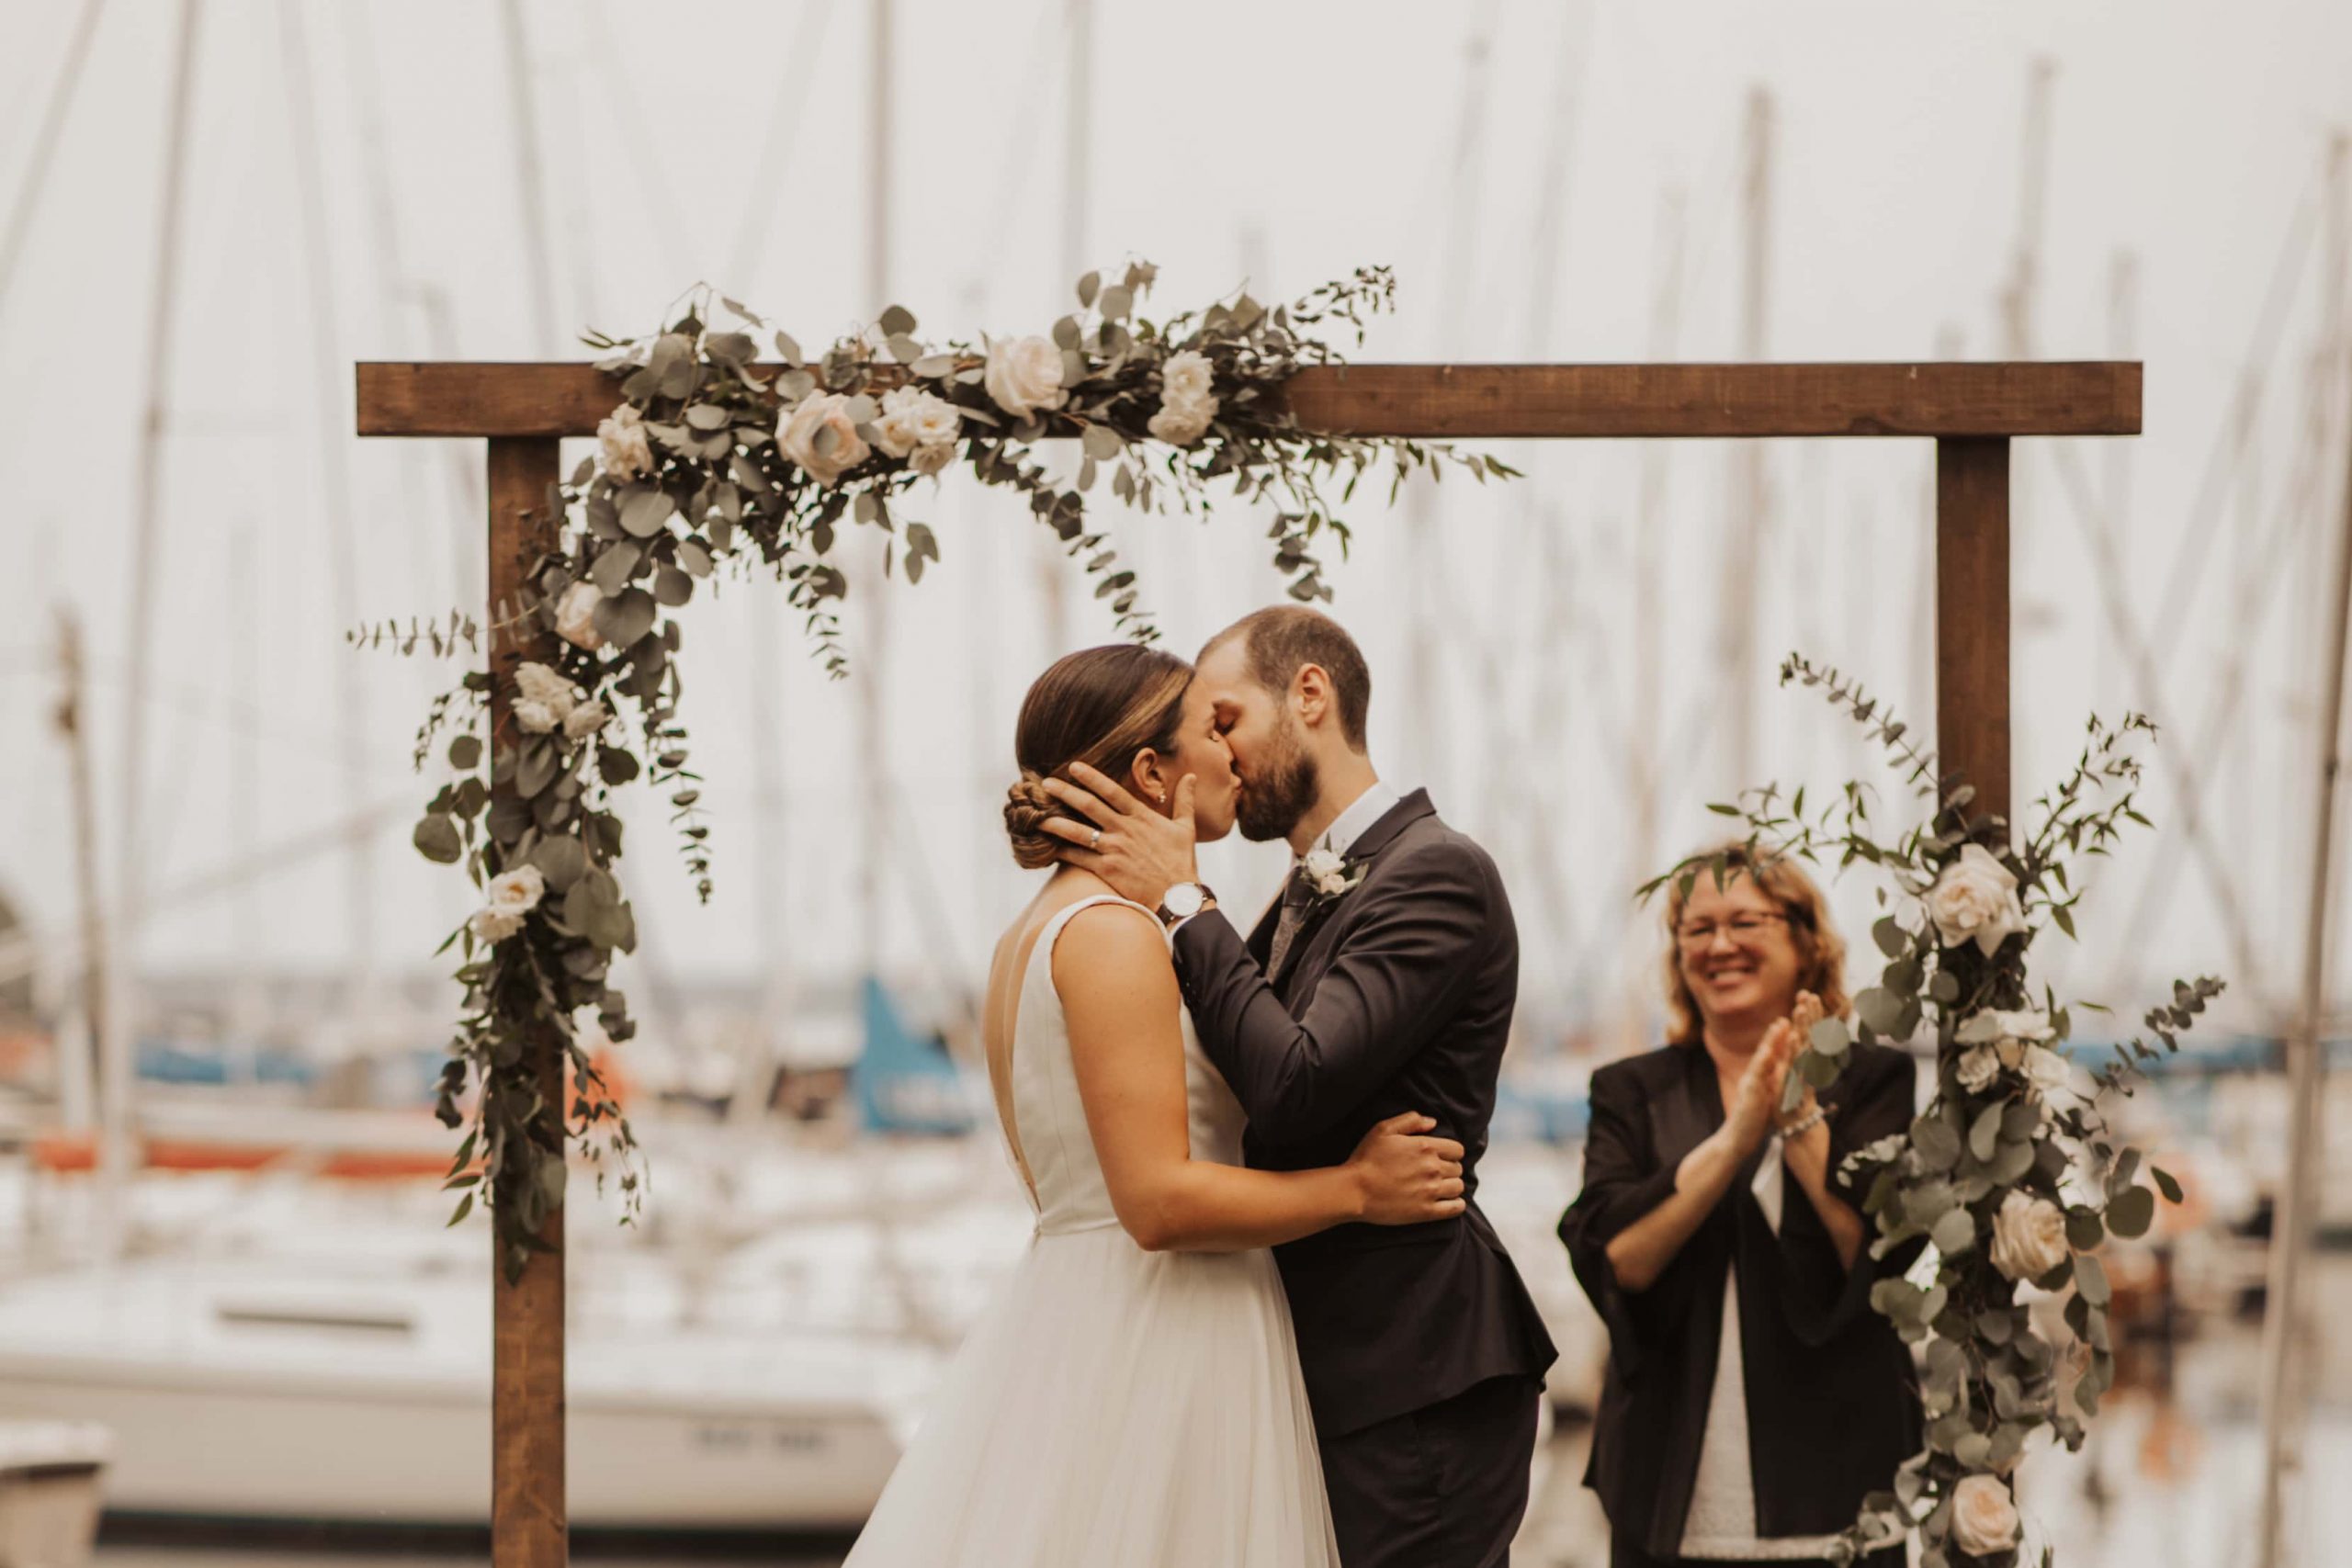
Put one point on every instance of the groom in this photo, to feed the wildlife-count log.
(1382, 981)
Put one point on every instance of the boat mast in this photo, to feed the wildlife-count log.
(1749, 497)
(2286, 1328)
(114, 1041)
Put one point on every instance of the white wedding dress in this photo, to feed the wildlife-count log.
(1114, 1408)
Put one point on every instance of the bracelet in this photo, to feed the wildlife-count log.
(1805, 1123)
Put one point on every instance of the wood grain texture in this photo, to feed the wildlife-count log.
(528, 1519)
(1437, 400)
(1973, 616)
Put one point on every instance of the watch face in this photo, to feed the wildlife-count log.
(1183, 900)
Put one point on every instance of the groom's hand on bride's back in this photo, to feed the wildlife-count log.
(1408, 1177)
(1138, 852)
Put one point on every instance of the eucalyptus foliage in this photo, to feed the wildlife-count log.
(692, 482)
(1991, 1381)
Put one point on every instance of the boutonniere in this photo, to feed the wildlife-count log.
(1330, 874)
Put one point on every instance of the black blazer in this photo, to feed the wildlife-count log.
(1833, 1398)
(1397, 996)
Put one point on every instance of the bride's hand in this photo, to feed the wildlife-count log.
(1406, 1177)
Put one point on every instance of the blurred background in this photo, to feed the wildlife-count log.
(240, 1319)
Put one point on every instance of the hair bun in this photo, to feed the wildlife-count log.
(1028, 807)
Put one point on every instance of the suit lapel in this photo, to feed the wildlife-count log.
(1367, 848)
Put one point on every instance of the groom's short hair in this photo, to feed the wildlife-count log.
(1282, 639)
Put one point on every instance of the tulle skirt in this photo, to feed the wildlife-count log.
(1115, 1409)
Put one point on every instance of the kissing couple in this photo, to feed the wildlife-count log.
(1261, 1323)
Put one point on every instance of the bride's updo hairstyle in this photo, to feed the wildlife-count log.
(1100, 707)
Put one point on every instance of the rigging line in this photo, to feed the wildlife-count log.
(2229, 442)
(20, 950)
(1005, 209)
(45, 139)
(351, 692)
(529, 174)
(363, 68)
(149, 494)
(775, 149)
(2081, 510)
(637, 140)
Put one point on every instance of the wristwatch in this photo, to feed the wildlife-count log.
(1183, 901)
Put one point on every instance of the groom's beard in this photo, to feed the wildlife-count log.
(1280, 791)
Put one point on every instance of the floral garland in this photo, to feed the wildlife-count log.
(2010, 1176)
(712, 463)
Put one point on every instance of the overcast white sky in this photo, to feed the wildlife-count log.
(1527, 193)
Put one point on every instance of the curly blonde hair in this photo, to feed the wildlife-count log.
(1821, 951)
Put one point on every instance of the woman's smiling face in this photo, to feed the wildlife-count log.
(1736, 950)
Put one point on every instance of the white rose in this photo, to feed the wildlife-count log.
(1025, 375)
(796, 433)
(536, 718)
(1977, 1067)
(2029, 1236)
(1185, 377)
(913, 418)
(1994, 1025)
(2047, 1073)
(622, 437)
(1983, 1515)
(1182, 421)
(512, 895)
(1975, 897)
(493, 925)
(930, 459)
(541, 684)
(575, 615)
(521, 888)
(585, 719)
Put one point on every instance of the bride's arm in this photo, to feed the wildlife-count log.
(1119, 992)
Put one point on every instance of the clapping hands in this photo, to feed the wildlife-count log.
(1756, 1105)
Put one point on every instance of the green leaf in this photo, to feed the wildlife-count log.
(563, 860)
(537, 768)
(1116, 301)
(1955, 1233)
(896, 320)
(465, 752)
(465, 1207)
(1089, 286)
(2166, 1183)
(2090, 1279)
(643, 511)
(2083, 1230)
(1882, 1011)
(2131, 1211)
(437, 839)
(1102, 443)
(1936, 1143)
(626, 618)
(1892, 939)
(616, 766)
(1985, 1136)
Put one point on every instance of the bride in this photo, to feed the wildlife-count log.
(1133, 1398)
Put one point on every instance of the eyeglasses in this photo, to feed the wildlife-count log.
(1744, 928)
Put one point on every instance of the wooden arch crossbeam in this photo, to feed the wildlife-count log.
(1972, 412)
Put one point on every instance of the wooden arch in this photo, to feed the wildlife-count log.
(1972, 412)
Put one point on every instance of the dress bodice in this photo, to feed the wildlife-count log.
(1049, 1125)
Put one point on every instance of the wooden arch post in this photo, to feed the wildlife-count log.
(1972, 412)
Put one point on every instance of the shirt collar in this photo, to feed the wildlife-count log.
(1367, 809)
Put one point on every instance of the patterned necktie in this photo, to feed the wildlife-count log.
(1296, 899)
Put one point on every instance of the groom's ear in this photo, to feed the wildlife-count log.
(1311, 690)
